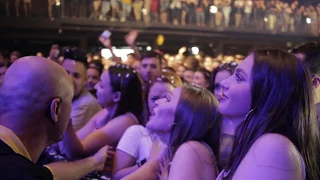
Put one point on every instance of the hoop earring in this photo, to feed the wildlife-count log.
(249, 113)
(172, 124)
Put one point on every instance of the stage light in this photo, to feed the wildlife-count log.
(213, 9)
(308, 20)
(195, 50)
(144, 11)
(58, 3)
(149, 48)
(105, 53)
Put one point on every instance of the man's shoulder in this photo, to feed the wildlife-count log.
(15, 166)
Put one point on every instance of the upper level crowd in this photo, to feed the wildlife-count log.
(271, 16)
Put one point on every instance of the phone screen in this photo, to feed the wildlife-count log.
(106, 34)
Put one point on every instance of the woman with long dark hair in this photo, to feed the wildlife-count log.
(269, 99)
(120, 93)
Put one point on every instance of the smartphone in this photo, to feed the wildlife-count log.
(106, 34)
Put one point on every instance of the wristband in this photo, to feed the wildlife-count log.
(142, 162)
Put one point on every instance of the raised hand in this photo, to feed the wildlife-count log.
(105, 41)
(131, 37)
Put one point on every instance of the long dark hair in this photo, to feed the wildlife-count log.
(282, 103)
(196, 118)
(125, 80)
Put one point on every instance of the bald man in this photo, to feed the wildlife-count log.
(35, 107)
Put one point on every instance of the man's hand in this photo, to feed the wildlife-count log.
(101, 157)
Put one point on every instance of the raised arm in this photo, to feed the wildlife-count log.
(71, 145)
(130, 39)
(124, 164)
(78, 169)
(90, 126)
(107, 43)
(110, 134)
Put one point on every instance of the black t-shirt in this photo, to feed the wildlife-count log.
(14, 166)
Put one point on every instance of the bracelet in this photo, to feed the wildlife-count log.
(142, 162)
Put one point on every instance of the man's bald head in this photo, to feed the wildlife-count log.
(31, 83)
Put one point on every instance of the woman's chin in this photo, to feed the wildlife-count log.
(150, 124)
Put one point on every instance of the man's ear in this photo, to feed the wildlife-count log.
(54, 109)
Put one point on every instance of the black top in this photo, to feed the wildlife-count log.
(14, 166)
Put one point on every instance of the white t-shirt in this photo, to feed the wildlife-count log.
(136, 141)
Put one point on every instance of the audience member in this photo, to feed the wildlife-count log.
(35, 108)
(202, 78)
(135, 144)
(150, 68)
(14, 56)
(188, 75)
(188, 122)
(94, 72)
(84, 105)
(269, 99)
(120, 93)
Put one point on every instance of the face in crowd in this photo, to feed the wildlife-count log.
(77, 71)
(150, 68)
(93, 77)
